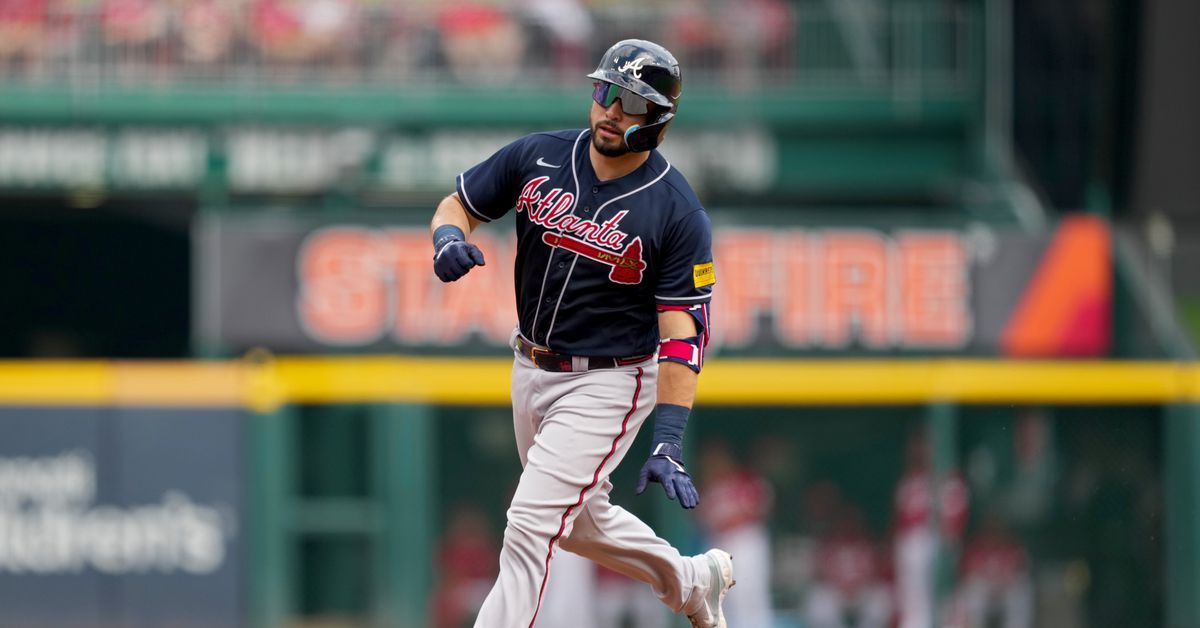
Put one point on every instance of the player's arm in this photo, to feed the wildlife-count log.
(678, 368)
(453, 256)
(452, 212)
(682, 296)
(482, 193)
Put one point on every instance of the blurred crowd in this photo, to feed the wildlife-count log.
(488, 41)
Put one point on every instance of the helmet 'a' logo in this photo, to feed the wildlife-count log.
(635, 65)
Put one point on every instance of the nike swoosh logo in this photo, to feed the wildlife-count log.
(542, 162)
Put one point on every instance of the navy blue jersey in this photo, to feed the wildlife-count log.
(595, 259)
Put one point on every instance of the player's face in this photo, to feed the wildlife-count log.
(610, 122)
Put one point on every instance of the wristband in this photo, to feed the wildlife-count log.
(669, 423)
(445, 234)
(670, 450)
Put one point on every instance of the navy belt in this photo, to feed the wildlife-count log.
(548, 360)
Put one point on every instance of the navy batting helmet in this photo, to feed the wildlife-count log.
(647, 70)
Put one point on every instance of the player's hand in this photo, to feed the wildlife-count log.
(455, 259)
(665, 466)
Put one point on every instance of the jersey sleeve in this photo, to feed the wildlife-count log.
(687, 276)
(489, 189)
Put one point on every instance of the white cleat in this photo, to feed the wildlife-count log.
(720, 565)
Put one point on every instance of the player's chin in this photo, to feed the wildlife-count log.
(607, 147)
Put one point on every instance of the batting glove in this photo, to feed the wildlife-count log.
(454, 258)
(665, 466)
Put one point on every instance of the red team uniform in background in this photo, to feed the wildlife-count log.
(734, 515)
(995, 580)
(917, 538)
(851, 588)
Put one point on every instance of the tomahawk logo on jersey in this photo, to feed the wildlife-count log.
(599, 254)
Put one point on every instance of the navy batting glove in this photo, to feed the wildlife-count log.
(455, 257)
(665, 466)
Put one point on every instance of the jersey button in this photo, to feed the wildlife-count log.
(549, 299)
(595, 190)
(562, 264)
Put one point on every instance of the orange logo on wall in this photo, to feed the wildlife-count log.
(837, 288)
(1066, 308)
(818, 289)
(361, 285)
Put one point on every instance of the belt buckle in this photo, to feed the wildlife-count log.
(536, 352)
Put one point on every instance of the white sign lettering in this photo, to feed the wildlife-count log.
(49, 524)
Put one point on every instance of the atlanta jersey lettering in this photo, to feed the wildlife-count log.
(594, 258)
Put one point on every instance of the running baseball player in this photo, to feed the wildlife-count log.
(614, 273)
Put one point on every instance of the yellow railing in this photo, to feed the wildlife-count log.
(265, 384)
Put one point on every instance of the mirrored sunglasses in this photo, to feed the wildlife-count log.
(605, 94)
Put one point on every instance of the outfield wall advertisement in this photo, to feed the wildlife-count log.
(273, 159)
(288, 286)
(121, 517)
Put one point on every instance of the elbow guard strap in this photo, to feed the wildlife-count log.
(699, 312)
(686, 351)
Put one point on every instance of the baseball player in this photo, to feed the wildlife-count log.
(920, 528)
(735, 517)
(614, 273)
